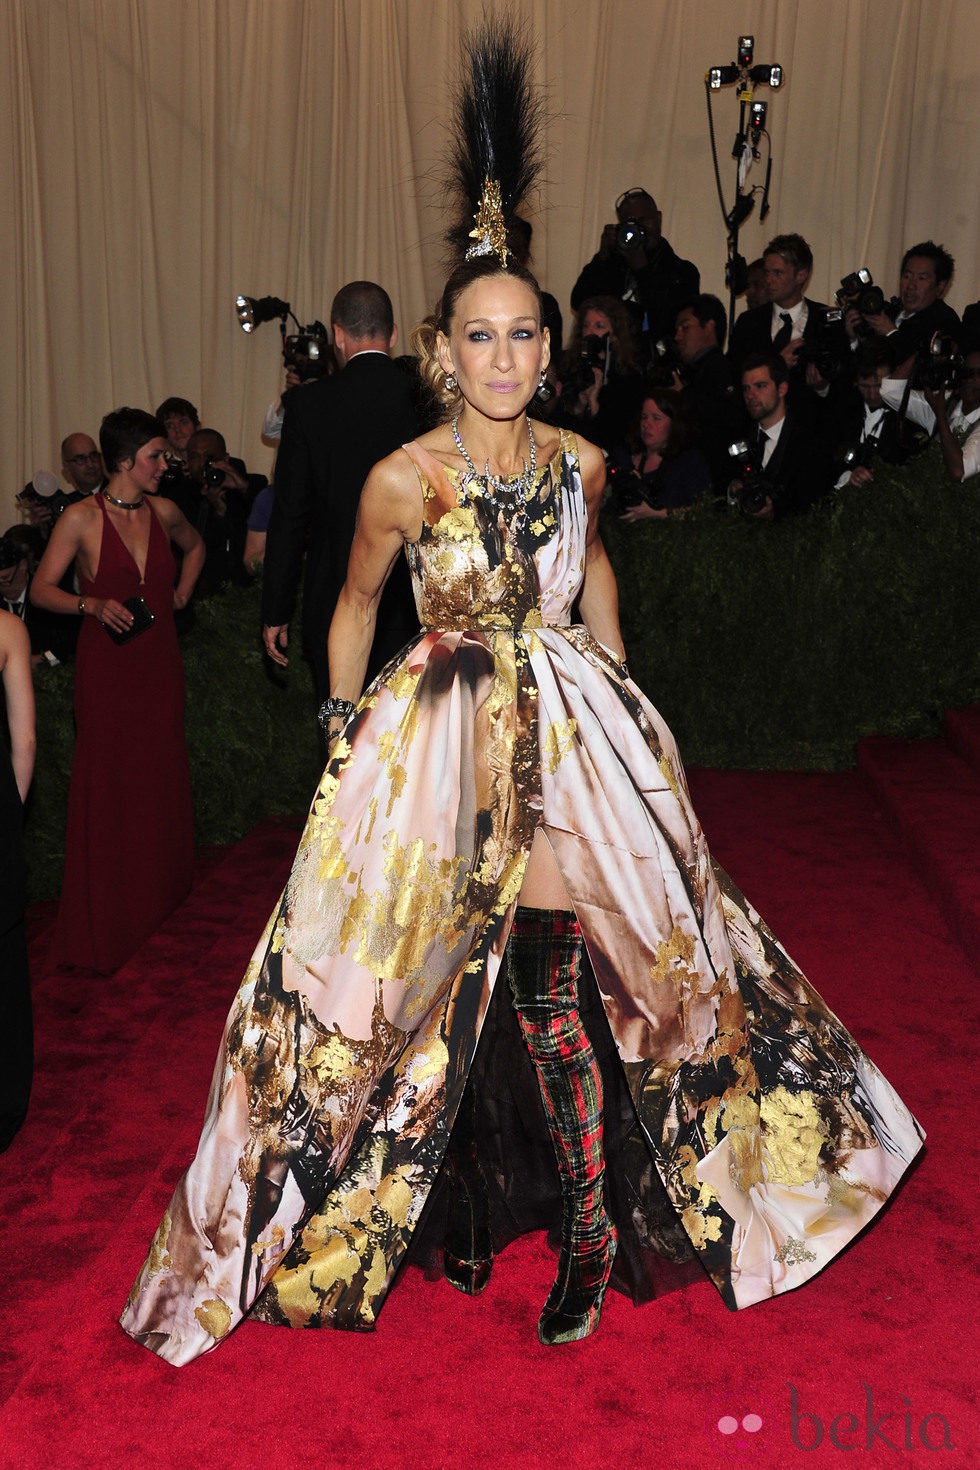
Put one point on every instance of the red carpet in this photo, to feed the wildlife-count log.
(875, 1357)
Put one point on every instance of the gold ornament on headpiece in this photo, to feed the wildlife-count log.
(489, 233)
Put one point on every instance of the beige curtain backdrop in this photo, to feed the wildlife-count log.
(160, 156)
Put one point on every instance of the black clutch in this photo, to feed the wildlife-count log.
(142, 619)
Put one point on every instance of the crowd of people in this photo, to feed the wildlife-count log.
(806, 399)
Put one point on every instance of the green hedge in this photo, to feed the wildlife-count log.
(768, 646)
(778, 646)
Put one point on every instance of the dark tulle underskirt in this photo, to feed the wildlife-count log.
(654, 1256)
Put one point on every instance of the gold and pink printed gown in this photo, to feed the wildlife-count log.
(348, 1044)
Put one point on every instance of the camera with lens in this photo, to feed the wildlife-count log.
(665, 364)
(827, 349)
(595, 353)
(212, 474)
(174, 476)
(858, 291)
(858, 457)
(307, 352)
(751, 486)
(630, 235)
(44, 498)
(938, 365)
(626, 488)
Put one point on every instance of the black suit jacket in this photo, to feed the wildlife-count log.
(752, 331)
(333, 432)
(715, 400)
(914, 333)
(800, 468)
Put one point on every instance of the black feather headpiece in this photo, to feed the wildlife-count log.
(495, 156)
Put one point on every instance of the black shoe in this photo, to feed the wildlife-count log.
(468, 1247)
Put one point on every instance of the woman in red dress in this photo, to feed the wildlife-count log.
(130, 839)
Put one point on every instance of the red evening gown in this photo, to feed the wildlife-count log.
(130, 839)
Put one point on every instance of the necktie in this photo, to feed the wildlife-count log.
(785, 332)
(761, 440)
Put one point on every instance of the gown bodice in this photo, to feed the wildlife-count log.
(479, 566)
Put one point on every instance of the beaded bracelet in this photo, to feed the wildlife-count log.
(334, 709)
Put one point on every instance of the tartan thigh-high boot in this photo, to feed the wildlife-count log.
(544, 963)
(468, 1245)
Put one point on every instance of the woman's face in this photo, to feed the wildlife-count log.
(596, 324)
(654, 426)
(496, 348)
(147, 466)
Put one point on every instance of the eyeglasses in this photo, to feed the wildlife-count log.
(83, 458)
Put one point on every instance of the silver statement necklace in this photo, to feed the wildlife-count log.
(504, 494)
(123, 504)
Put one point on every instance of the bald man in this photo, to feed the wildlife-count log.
(81, 465)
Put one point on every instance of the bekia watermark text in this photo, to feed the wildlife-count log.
(898, 1429)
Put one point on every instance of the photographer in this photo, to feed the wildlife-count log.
(788, 467)
(224, 493)
(952, 410)
(794, 326)
(865, 427)
(52, 635)
(307, 356)
(635, 264)
(709, 382)
(601, 385)
(665, 473)
(927, 270)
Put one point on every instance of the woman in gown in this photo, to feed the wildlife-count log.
(130, 838)
(503, 796)
(17, 749)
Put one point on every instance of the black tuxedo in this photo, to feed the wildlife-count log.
(897, 438)
(333, 432)
(752, 331)
(913, 334)
(799, 468)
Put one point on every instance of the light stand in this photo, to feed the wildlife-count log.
(306, 351)
(751, 129)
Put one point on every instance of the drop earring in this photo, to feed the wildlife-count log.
(450, 382)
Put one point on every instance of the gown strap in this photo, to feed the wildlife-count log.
(432, 475)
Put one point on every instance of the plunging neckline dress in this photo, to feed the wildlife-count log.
(130, 840)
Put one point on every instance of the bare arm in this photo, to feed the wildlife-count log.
(18, 691)
(389, 514)
(60, 552)
(599, 602)
(182, 534)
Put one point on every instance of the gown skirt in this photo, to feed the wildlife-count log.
(750, 1136)
(129, 856)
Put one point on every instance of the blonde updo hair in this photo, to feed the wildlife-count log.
(424, 335)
